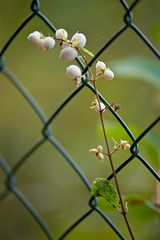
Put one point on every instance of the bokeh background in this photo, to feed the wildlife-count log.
(46, 179)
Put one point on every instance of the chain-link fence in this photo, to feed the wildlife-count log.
(47, 133)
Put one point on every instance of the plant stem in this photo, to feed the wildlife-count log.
(112, 167)
(109, 153)
(86, 62)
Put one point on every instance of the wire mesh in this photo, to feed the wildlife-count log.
(48, 136)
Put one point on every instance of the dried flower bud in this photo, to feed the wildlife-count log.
(41, 44)
(98, 152)
(100, 156)
(61, 34)
(93, 150)
(100, 148)
(68, 54)
(115, 106)
(80, 39)
(78, 81)
(98, 106)
(124, 144)
(108, 74)
(100, 67)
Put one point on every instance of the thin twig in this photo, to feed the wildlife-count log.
(109, 153)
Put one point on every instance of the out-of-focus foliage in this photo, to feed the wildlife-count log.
(138, 68)
(46, 179)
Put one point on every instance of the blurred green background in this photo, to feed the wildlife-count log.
(46, 179)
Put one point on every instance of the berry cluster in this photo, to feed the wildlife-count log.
(43, 42)
(69, 51)
(102, 70)
(70, 48)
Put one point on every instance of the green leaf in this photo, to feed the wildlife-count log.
(88, 52)
(136, 199)
(138, 67)
(152, 206)
(74, 44)
(63, 35)
(102, 187)
(104, 205)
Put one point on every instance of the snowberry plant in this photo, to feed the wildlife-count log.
(70, 49)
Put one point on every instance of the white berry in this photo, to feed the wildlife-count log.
(41, 44)
(48, 43)
(61, 34)
(34, 37)
(108, 74)
(68, 54)
(80, 38)
(100, 67)
(73, 72)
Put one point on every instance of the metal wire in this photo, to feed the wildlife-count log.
(47, 135)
